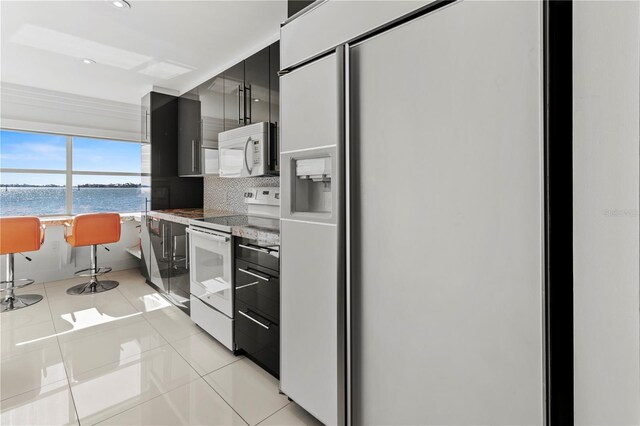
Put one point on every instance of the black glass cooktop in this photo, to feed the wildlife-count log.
(225, 223)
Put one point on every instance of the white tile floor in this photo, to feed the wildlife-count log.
(126, 357)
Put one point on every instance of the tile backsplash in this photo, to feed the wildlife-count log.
(227, 193)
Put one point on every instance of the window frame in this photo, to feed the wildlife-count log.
(69, 172)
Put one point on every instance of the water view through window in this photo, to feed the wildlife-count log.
(35, 168)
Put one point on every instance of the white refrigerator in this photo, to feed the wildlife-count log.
(412, 222)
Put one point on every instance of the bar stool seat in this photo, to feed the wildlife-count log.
(17, 235)
(93, 229)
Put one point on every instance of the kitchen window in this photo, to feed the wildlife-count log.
(44, 174)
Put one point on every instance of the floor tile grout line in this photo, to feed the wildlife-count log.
(64, 365)
(187, 361)
(66, 379)
(140, 403)
(243, 358)
(144, 402)
(122, 359)
(225, 401)
(274, 413)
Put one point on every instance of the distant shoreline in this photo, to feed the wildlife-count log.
(90, 185)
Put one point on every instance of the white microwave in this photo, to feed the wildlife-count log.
(249, 151)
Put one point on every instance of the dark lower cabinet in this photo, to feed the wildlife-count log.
(168, 260)
(179, 269)
(258, 336)
(257, 303)
(160, 261)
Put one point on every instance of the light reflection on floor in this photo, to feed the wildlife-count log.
(126, 356)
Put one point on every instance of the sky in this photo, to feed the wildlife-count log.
(41, 151)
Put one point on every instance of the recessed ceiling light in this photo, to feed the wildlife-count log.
(120, 4)
(88, 61)
(256, 100)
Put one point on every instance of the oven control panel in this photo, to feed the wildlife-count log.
(266, 195)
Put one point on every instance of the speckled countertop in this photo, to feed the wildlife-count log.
(62, 220)
(267, 231)
(183, 216)
(264, 230)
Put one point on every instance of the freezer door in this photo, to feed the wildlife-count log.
(312, 355)
(448, 210)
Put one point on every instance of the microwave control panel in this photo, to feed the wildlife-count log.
(256, 152)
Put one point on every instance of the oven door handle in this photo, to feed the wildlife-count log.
(208, 235)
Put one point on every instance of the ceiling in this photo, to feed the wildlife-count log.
(170, 44)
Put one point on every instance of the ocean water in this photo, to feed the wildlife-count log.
(51, 201)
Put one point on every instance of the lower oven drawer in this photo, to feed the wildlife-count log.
(218, 325)
(221, 299)
(258, 336)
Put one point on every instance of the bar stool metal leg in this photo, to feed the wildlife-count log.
(10, 301)
(94, 285)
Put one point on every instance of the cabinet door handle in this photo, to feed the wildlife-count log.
(259, 249)
(146, 125)
(253, 274)
(196, 167)
(193, 154)
(240, 93)
(273, 253)
(186, 249)
(247, 285)
(162, 239)
(252, 319)
(250, 97)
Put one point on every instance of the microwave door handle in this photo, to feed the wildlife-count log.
(246, 162)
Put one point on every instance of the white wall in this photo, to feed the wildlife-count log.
(40, 110)
(56, 260)
(606, 229)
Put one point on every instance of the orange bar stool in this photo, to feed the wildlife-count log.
(92, 229)
(17, 235)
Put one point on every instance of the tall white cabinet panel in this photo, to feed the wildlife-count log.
(312, 355)
(308, 335)
(309, 111)
(448, 286)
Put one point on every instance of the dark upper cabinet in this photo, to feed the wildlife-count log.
(160, 129)
(211, 95)
(256, 82)
(159, 115)
(189, 136)
(234, 97)
(295, 6)
(274, 86)
(244, 94)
